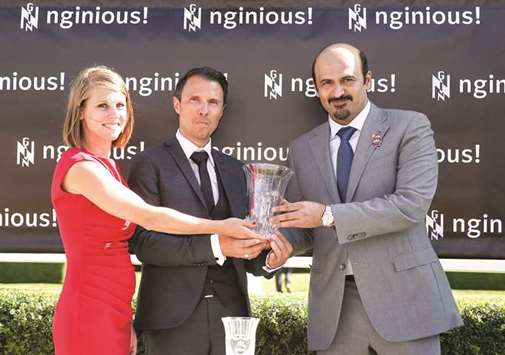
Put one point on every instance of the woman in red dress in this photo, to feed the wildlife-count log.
(97, 214)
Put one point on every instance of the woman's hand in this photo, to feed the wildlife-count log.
(133, 341)
(238, 228)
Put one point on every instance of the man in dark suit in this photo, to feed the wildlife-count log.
(190, 282)
(377, 286)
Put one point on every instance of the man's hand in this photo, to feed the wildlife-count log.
(281, 251)
(241, 248)
(303, 214)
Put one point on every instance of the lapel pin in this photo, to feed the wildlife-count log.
(377, 139)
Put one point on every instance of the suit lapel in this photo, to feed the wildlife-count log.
(320, 146)
(184, 166)
(375, 124)
(229, 181)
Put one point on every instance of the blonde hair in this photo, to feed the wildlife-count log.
(88, 79)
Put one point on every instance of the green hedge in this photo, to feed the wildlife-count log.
(25, 322)
(25, 326)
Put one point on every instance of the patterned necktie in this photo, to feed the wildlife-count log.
(200, 158)
(344, 160)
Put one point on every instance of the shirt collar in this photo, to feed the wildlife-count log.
(189, 147)
(357, 122)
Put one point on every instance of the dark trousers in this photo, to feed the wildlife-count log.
(287, 278)
(201, 334)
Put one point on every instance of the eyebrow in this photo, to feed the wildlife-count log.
(105, 101)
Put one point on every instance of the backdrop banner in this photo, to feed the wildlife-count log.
(443, 60)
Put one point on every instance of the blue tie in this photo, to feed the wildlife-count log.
(344, 160)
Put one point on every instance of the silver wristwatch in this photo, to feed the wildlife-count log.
(327, 218)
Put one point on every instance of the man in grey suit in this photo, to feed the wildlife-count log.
(190, 282)
(377, 286)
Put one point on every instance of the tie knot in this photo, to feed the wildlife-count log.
(200, 157)
(345, 133)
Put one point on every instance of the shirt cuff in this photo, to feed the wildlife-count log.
(216, 249)
(267, 267)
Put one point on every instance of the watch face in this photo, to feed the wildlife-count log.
(327, 216)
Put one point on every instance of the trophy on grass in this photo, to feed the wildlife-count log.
(266, 185)
(240, 335)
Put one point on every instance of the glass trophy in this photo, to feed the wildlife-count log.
(266, 185)
(240, 335)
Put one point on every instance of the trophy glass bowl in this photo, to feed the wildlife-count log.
(266, 185)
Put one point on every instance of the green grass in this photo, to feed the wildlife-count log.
(476, 281)
(31, 272)
(480, 296)
(299, 285)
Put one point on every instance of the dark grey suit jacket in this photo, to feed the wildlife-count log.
(174, 267)
(381, 230)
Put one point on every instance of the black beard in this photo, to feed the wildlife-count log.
(341, 115)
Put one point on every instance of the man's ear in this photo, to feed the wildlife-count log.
(368, 79)
(176, 104)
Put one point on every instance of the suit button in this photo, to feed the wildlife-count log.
(341, 267)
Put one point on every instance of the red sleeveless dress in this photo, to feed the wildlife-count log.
(94, 313)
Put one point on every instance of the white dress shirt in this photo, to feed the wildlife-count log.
(189, 148)
(357, 123)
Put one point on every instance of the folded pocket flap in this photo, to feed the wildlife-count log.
(418, 258)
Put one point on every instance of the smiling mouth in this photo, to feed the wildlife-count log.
(111, 125)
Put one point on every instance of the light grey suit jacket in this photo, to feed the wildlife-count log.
(381, 229)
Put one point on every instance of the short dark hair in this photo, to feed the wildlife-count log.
(208, 73)
(362, 57)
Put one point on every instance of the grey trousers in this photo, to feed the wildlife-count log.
(201, 334)
(356, 335)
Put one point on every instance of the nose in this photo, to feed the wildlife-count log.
(203, 109)
(338, 90)
(115, 112)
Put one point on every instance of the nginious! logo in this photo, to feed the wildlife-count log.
(193, 18)
(357, 18)
(273, 85)
(435, 225)
(25, 152)
(29, 17)
(440, 86)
